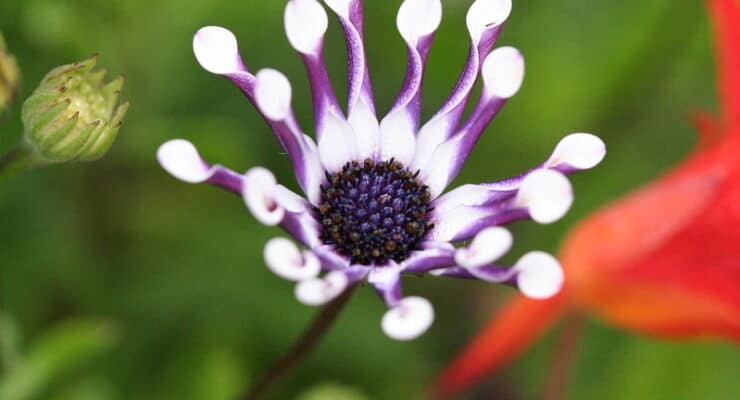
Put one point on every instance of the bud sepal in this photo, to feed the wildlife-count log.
(9, 77)
(73, 115)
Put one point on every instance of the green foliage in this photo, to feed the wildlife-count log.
(330, 391)
(89, 389)
(220, 377)
(55, 354)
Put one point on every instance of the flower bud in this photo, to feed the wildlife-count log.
(73, 115)
(9, 77)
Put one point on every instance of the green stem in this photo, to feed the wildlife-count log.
(303, 346)
(17, 160)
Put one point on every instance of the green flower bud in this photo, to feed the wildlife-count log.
(73, 115)
(9, 76)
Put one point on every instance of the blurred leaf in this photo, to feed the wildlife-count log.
(58, 351)
(221, 377)
(639, 368)
(89, 389)
(10, 342)
(332, 391)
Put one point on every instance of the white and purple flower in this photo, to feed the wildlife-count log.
(374, 207)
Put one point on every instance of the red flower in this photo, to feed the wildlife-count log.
(663, 261)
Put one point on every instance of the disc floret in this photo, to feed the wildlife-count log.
(374, 212)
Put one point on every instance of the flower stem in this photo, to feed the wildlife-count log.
(307, 342)
(556, 386)
(17, 160)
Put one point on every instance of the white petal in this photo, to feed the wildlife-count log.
(579, 150)
(336, 142)
(340, 7)
(503, 72)
(329, 257)
(181, 159)
(465, 195)
(539, 275)
(397, 137)
(272, 93)
(216, 50)
(289, 200)
(418, 18)
(384, 276)
(487, 246)
(451, 223)
(305, 23)
(547, 194)
(409, 319)
(259, 189)
(367, 131)
(285, 259)
(486, 14)
(431, 135)
(317, 291)
(436, 174)
(315, 171)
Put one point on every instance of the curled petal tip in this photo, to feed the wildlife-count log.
(487, 246)
(546, 194)
(409, 319)
(181, 159)
(217, 50)
(578, 150)
(259, 189)
(318, 291)
(285, 259)
(503, 72)
(418, 18)
(272, 93)
(539, 275)
(305, 24)
(486, 14)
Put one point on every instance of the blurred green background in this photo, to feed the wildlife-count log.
(175, 271)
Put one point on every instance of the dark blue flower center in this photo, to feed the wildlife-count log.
(374, 212)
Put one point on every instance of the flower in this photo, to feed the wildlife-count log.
(374, 208)
(9, 76)
(72, 115)
(662, 261)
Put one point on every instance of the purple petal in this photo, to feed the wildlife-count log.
(216, 49)
(429, 259)
(488, 273)
(417, 21)
(272, 93)
(330, 259)
(387, 282)
(182, 160)
(350, 16)
(503, 72)
(483, 35)
(543, 195)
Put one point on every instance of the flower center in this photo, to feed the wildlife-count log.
(374, 212)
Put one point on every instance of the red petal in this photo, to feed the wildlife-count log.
(726, 17)
(666, 259)
(513, 329)
(709, 129)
